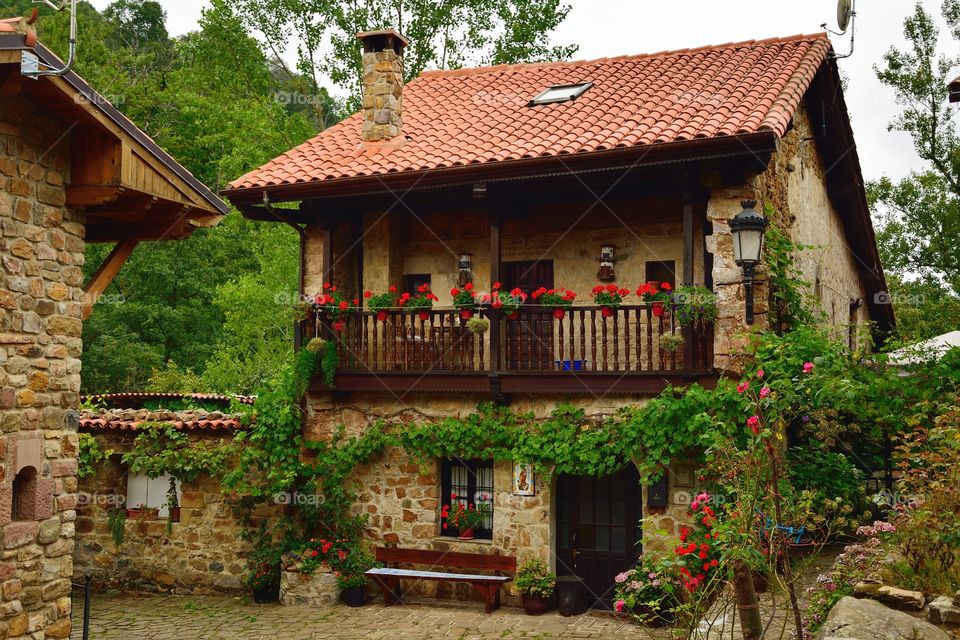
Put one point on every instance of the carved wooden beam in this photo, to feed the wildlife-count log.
(105, 274)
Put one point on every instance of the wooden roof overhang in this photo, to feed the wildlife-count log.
(128, 188)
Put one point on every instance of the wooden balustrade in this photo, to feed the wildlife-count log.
(586, 340)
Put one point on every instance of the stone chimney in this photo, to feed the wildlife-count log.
(382, 84)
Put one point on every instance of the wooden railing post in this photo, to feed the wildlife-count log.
(687, 275)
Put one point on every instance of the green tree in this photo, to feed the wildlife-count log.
(443, 34)
(919, 215)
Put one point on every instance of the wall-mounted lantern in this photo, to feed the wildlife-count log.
(606, 274)
(465, 266)
(747, 228)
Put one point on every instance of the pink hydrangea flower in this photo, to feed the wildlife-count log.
(621, 578)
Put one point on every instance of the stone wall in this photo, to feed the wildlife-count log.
(795, 185)
(41, 256)
(201, 554)
(402, 501)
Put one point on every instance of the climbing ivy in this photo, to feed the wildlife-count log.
(787, 304)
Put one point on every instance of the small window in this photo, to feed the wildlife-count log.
(413, 281)
(25, 497)
(472, 481)
(149, 492)
(560, 93)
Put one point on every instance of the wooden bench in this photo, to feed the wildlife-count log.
(487, 587)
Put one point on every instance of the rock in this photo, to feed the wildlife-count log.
(869, 620)
(891, 596)
(943, 610)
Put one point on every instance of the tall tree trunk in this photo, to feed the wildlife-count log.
(748, 605)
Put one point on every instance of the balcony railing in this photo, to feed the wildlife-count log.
(404, 349)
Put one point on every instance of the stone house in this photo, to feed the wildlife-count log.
(72, 170)
(199, 550)
(527, 175)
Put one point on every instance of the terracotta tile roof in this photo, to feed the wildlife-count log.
(480, 116)
(139, 397)
(131, 419)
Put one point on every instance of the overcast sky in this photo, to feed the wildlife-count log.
(617, 27)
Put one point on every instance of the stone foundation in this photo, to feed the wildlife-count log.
(317, 589)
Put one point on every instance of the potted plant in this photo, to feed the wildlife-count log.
(464, 518)
(609, 297)
(650, 591)
(560, 300)
(420, 303)
(464, 301)
(349, 569)
(535, 583)
(694, 305)
(265, 583)
(672, 342)
(478, 326)
(334, 305)
(380, 302)
(655, 294)
(508, 303)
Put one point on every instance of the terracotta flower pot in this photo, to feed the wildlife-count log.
(606, 312)
(466, 534)
(466, 314)
(558, 314)
(382, 316)
(175, 514)
(535, 605)
(423, 315)
(658, 309)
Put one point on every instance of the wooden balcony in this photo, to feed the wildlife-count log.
(533, 352)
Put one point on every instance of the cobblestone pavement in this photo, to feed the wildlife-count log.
(223, 618)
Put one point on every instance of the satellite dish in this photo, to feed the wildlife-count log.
(844, 13)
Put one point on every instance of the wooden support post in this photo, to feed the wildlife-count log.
(326, 235)
(480, 197)
(105, 274)
(688, 275)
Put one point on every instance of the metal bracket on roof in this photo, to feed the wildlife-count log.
(29, 64)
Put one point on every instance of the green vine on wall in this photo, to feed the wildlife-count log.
(788, 307)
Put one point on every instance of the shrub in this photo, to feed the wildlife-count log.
(535, 579)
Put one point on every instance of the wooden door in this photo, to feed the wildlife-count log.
(529, 340)
(598, 529)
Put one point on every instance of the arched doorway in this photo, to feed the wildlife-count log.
(598, 529)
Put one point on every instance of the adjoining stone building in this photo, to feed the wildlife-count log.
(72, 170)
(199, 550)
(526, 175)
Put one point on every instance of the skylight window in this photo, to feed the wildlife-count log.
(560, 93)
